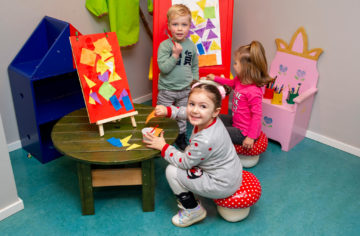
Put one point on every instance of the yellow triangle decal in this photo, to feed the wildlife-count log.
(215, 46)
(89, 82)
(194, 38)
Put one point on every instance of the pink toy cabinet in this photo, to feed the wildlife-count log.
(293, 65)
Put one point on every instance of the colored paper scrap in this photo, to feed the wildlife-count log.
(110, 64)
(192, 26)
(200, 32)
(201, 4)
(95, 97)
(101, 67)
(150, 116)
(115, 141)
(215, 46)
(87, 57)
(209, 12)
(133, 146)
(157, 131)
(91, 100)
(207, 60)
(199, 20)
(206, 44)
(115, 102)
(105, 54)
(106, 90)
(125, 141)
(89, 82)
(194, 38)
(114, 77)
(194, 14)
(104, 77)
(209, 24)
(200, 49)
(102, 45)
(212, 35)
(127, 103)
(123, 94)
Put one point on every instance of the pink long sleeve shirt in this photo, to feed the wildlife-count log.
(246, 106)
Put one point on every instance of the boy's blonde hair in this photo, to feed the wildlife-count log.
(178, 10)
(253, 64)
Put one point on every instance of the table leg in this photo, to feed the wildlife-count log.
(148, 185)
(86, 189)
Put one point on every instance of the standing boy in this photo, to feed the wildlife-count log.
(178, 63)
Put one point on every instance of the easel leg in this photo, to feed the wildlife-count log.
(101, 130)
(86, 189)
(133, 122)
(148, 185)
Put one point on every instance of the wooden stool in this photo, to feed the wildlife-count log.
(237, 206)
(250, 157)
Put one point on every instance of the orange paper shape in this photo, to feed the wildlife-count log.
(102, 45)
(157, 131)
(207, 60)
(88, 57)
(150, 116)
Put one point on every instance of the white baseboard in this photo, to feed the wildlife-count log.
(14, 145)
(11, 209)
(144, 98)
(333, 143)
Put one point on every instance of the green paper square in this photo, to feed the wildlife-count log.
(106, 90)
(209, 12)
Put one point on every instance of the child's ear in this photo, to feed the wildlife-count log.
(216, 112)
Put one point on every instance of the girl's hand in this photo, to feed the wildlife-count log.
(160, 110)
(210, 77)
(248, 143)
(154, 142)
(176, 50)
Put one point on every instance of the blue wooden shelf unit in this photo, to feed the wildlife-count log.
(44, 85)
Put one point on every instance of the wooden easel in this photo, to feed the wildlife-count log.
(116, 118)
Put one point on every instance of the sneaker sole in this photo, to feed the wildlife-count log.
(191, 222)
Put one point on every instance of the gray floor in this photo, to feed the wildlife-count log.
(311, 190)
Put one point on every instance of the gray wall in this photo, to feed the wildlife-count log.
(331, 25)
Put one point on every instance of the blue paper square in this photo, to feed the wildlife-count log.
(127, 103)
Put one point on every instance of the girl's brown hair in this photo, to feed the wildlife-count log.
(212, 89)
(253, 64)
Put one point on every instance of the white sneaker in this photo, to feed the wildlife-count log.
(186, 217)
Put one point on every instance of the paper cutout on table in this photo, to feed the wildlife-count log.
(115, 141)
(209, 24)
(102, 45)
(209, 12)
(89, 82)
(104, 77)
(106, 90)
(115, 102)
(200, 49)
(125, 141)
(215, 46)
(101, 67)
(207, 60)
(133, 146)
(150, 116)
(211, 35)
(107, 72)
(201, 4)
(114, 77)
(157, 131)
(87, 57)
(95, 97)
(194, 38)
(105, 54)
(202, 11)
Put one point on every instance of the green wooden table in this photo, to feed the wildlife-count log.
(99, 163)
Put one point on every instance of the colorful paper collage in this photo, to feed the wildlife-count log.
(102, 75)
(205, 30)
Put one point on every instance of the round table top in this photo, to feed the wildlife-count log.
(76, 138)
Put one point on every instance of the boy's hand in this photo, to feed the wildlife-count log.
(176, 50)
(160, 110)
(154, 142)
(248, 143)
(210, 77)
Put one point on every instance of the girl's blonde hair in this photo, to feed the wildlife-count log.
(253, 64)
(178, 10)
